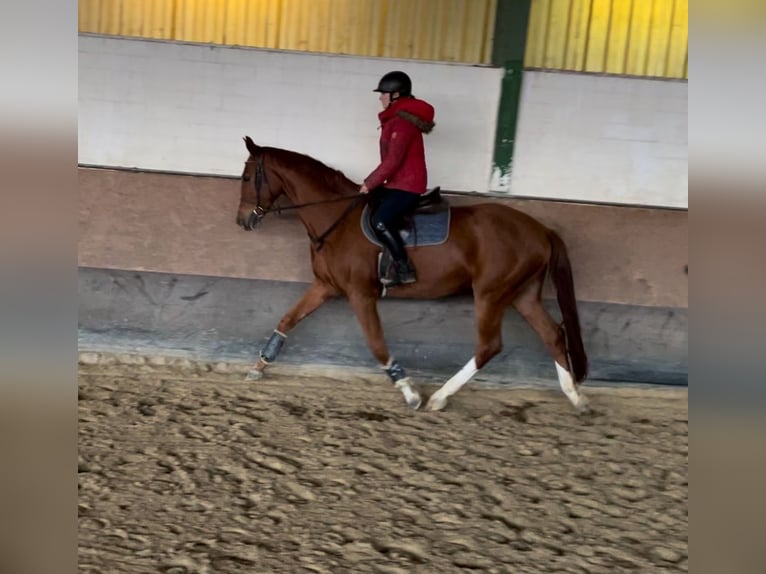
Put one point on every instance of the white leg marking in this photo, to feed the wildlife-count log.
(460, 378)
(439, 399)
(569, 388)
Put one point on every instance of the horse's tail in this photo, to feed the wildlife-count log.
(561, 274)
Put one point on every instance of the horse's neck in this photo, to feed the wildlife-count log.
(301, 190)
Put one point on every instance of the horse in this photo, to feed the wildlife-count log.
(499, 254)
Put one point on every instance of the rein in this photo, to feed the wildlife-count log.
(319, 241)
(279, 209)
(259, 212)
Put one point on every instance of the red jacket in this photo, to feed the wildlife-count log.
(402, 154)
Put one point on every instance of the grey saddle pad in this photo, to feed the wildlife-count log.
(429, 228)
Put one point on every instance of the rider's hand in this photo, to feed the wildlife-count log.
(363, 189)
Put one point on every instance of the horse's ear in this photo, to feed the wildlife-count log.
(251, 146)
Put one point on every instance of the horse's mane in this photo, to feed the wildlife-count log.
(334, 180)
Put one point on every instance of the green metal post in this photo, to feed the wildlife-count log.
(511, 21)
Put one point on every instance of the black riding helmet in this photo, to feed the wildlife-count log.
(395, 82)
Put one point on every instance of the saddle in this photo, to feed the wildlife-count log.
(427, 225)
(431, 202)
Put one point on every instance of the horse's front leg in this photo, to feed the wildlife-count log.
(366, 310)
(317, 294)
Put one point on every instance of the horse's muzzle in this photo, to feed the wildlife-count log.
(252, 219)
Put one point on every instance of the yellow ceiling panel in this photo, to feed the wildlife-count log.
(634, 37)
(627, 37)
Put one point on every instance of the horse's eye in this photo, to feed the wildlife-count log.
(245, 178)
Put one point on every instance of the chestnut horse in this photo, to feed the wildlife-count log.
(499, 254)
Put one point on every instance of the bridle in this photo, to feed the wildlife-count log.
(259, 212)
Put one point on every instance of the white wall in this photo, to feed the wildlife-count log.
(600, 138)
(185, 107)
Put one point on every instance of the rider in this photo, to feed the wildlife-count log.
(401, 177)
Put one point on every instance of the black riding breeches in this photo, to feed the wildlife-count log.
(390, 206)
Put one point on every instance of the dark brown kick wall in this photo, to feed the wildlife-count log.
(164, 268)
(185, 225)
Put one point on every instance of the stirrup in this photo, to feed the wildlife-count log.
(385, 264)
(393, 282)
(406, 274)
(388, 272)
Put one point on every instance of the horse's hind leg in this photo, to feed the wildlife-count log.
(489, 319)
(366, 310)
(317, 294)
(529, 305)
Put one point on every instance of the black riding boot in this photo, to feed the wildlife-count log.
(401, 271)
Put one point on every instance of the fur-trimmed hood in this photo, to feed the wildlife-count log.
(418, 112)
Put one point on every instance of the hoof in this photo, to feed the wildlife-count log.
(411, 396)
(254, 375)
(583, 405)
(256, 372)
(436, 403)
(414, 401)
